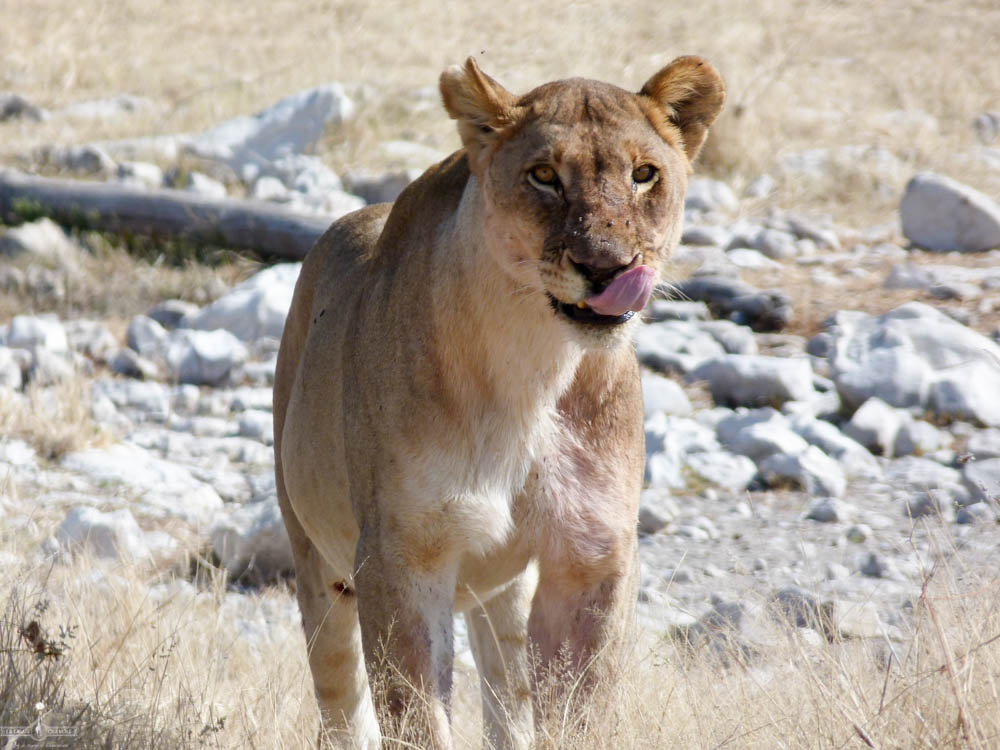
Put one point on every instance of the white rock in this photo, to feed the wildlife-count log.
(171, 312)
(912, 474)
(37, 331)
(10, 370)
(986, 125)
(875, 425)
(106, 108)
(660, 394)
(657, 509)
(668, 441)
(984, 444)
(855, 459)
(251, 398)
(812, 471)
(830, 510)
(982, 478)
(254, 309)
(113, 535)
(90, 337)
(704, 194)
(941, 214)
(162, 148)
(204, 357)
(675, 345)
(160, 487)
(918, 437)
(775, 244)
(664, 309)
(267, 188)
(252, 540)
(49, 367)
(968, 392)
(131, 364)
(147, 337)
(41, 240)
(734, 338)
(978, 512)
(758, 441)
(930, 503)
(711, 235)
(722, 469)
(909, 276)
(900, 356)
(290, 126)
(749, 380)
(202, 184)
(744, 257)
(152, 399)
(306, 174)
(88, 159)
(257, 425)
(139, 174)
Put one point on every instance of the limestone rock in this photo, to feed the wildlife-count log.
(811, 471)
(252, 541)
(941, 214)
(748, 380)
(876, 425)
(254, 309)
(204, 357)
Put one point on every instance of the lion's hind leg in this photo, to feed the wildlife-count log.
(333, 638)
(498, 634)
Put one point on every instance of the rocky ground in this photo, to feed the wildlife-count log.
(800, 467)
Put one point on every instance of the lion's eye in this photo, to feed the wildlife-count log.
(543, 174)
(643, 173)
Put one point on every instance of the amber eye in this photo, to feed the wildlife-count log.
(544, 175)
(643, 173)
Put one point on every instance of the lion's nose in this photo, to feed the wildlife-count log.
(600, 268)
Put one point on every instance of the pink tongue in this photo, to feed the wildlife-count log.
(630, 291)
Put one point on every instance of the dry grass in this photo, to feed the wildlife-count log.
(117, 278)
(54, 419)
(174, 670)
(817, 73)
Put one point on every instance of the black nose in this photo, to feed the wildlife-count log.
(598, 275)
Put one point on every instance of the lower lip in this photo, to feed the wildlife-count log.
(586, 316)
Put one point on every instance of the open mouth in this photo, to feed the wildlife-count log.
(584, 314)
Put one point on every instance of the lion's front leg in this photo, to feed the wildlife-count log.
(580, 630)
(407, 635)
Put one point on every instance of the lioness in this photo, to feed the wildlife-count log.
(457, 411)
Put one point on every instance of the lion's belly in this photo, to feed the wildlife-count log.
(316, 480)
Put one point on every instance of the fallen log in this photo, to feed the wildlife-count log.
(240, 224)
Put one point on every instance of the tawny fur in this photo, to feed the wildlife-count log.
(445, 439)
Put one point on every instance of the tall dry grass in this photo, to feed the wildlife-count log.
(172, 667)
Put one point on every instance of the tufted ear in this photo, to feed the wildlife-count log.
(688, 94)
(481, 105)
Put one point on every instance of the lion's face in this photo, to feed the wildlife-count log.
(583, 186)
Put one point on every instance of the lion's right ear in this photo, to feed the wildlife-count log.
(481, 105)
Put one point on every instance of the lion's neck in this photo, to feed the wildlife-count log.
(502, 345)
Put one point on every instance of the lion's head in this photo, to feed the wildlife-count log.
(583, 182)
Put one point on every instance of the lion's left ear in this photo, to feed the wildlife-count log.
(689, 93)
